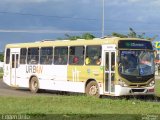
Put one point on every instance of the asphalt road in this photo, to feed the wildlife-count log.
(6, 90)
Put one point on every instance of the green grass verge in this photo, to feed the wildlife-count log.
(157, 88)
(81, 107)
(77, 106)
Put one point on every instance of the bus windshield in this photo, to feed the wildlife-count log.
(136, 63)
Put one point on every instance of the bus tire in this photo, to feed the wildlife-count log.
(34, 85)
(92, 89)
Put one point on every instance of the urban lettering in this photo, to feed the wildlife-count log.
(34, 69)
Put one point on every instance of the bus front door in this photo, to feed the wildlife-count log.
(14, 66)
(109, 71)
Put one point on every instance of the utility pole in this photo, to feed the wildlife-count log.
(102, 18)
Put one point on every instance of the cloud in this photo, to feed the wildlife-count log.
(20, 5)
(145, 3)
(130, 2)
(134, 1)
(24, 1)
(155, 3)
(43, 31)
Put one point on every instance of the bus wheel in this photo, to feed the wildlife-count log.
(92, 89)
(34, 86)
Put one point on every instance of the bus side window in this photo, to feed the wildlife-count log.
(61, 55)
(76, 55)
(7, 58)
(46, 55)
(23, 53)
(13, 61)
(112, 61)
(93, 55)
(33, 56)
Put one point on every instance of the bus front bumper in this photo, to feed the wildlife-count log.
(120, 91)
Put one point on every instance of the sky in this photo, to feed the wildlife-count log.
(36, 20)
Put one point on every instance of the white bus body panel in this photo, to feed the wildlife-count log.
(53, 77)
(62, 86)
(6, 75)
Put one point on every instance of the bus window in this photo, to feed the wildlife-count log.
(107, 62)
(76, 55)
(23, 53)
(13, 61)
(33, 56)
(46, 55)
(7, 56)
(112, 61)
(17, 60)
(93, 55)
(60, 55)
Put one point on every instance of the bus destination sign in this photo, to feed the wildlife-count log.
(134, 44)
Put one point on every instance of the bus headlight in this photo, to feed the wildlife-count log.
(152, 83)
(122, 83)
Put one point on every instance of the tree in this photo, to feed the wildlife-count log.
(69, 37)
(133, 34)
(119, 35)
(1, 57)
(86, 36)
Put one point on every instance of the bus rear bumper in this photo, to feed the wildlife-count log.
(120, 91)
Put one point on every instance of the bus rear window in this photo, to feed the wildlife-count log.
(7, 56)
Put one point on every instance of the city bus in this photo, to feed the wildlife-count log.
(102, 66)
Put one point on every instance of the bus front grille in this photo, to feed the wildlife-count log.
(137, 90)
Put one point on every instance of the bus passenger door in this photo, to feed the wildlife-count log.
(14, 66)
(109, 71)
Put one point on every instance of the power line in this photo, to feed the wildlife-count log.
(40, 15)
(82, 19)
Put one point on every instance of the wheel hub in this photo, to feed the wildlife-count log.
(93, 90)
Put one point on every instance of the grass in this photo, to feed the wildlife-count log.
(157, 88)
(82, 107)
(77, 106)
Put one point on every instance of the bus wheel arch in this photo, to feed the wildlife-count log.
(33, 84)
(92, 88)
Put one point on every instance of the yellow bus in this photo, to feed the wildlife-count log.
(109, 66)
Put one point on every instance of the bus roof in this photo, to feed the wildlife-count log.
(78, 42)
